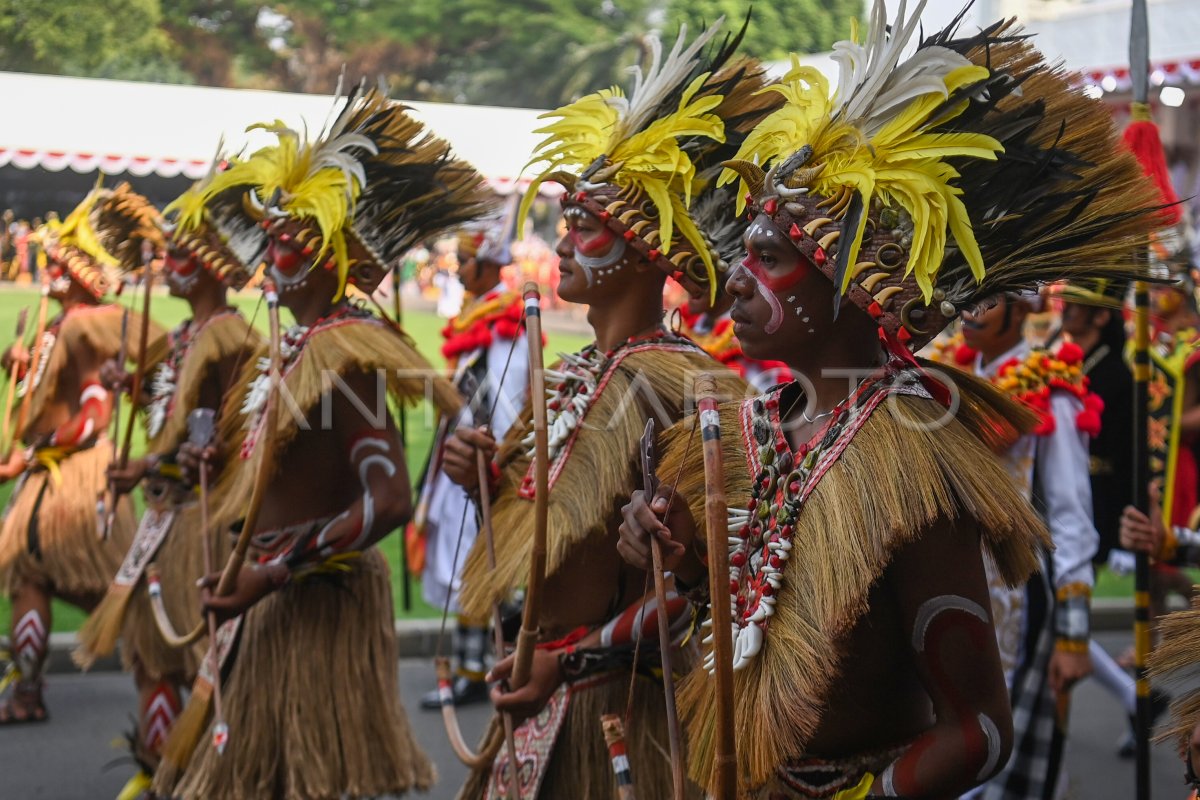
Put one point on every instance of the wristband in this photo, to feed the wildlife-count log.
(1184, 544)
(1072, 617)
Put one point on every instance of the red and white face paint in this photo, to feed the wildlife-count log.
(288, 261)
(183, 270)
(598, 253)
(772, 286)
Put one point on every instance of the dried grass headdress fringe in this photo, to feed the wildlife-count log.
(376, 183)
(213, 220)
(638, 161)
(971, 169)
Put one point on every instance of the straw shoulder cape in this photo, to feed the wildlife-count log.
(94, 329)
(907, 466)
(178, 376)
(594, 471)
(358, 342)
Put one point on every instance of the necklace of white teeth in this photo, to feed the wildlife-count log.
(289, 346)
(571, 391)
(48, 340)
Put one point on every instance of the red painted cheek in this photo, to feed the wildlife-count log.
(777, 283)
(181, 266)
(284, 257)
(595, 245)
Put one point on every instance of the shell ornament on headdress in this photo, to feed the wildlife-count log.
(105, 232)
(638, 162)
(922, 186)
(376, 183)
(213, 220)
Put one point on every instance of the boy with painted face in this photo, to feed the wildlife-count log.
(854, 489)
(1052, 610)
(212, 246)
(310, 692)
(52, 542)
(628, 226)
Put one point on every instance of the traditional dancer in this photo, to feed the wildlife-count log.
(884, 214)
(56, 540)
(1042, 628)
(323, 465)
(485, 348)
(214, 246)
(629, 166)
(711, 327)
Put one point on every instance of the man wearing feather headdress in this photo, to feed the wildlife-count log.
(310, 695)
(54, 541)
(630, 166)
(213, 245)
(918, 190)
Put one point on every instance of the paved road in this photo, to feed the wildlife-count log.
(70, 757)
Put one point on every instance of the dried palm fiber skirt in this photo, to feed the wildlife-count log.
(51, 529)
(312, 698)
(577, 764)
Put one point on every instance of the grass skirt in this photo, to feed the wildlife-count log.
(312, 699)
(74, 561)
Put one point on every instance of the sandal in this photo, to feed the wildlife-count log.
(24, 706)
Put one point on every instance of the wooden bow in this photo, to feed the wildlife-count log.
(531, 616)
(530, 620)
(35, 358)
(11, 392)
(108, 497)
(266, 441)
(717, 525)
(650, 486)
(487, 754)
(135, 393)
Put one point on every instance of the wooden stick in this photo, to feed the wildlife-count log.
(11, 392)
(35, 358)
(674, 739)
(139, 374)
(717, 524)
(530, 619)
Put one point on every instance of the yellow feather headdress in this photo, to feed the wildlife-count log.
(375, 183)
(637, 161)
(105, 232)
(921, 186)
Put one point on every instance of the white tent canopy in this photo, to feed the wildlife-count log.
(116, 127)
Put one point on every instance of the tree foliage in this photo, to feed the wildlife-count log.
(98, 38)
(536, 53)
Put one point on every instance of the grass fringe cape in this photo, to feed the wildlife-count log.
(95, 330)
(893, 481)
(355, 345)
(599, 473)
(224, 337)
(1175, 670)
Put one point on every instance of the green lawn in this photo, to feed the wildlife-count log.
(425, 329)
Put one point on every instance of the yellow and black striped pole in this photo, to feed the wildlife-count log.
(1141, 596)
(1139, 68)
